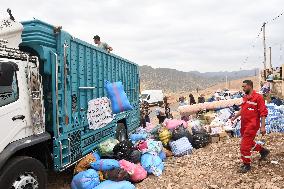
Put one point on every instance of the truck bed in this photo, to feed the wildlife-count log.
(71, 78)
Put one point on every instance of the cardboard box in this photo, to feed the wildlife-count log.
(223, 136)
(215, 138)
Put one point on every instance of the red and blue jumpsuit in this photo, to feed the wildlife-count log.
(252, 109)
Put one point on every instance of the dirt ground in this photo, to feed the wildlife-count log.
(214, 166)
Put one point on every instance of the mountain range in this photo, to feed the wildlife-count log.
(172, 80)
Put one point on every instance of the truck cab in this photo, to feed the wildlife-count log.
(152, 97)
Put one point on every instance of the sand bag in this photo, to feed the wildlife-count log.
(106, 147)
(173, 123)
(85, 163)
(162, 155)
(108, 184)
(154, 147)
(123, 150)
(165, 136)
(136, 171)
(136, 137)
(105, 164)
(85, 180)
(152, 164)
(201, 140)
(135, 156)
(117, 96)
(180, 132)
(118, 174)
(181, 147)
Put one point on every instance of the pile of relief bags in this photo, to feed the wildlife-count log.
(119, 165)
(221, 120)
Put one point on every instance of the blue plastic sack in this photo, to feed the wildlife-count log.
(108, 184)
(96, 155)
(162, 155)
(152, 164)
(85, 180)
(117, 96)
(135, 137)
(105, 164)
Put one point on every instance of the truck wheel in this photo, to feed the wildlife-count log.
(121, 132)
(23, 172)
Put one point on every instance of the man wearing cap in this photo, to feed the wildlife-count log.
(102, 45)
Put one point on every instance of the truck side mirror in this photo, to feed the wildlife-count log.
(148, 98)
(7, 70)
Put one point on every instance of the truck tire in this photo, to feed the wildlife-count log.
(23, 172)
(121, 132)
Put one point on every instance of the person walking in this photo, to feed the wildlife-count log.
(252, 110)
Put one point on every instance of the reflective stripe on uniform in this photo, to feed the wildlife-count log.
(253, 103)
(248, 157)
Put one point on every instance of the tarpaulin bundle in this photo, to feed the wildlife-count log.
(191, 109)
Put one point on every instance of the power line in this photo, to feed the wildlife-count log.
(253, 44)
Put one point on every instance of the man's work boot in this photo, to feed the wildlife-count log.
(244, 168)
(264, 153)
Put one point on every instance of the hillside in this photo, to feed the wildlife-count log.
(171, 80)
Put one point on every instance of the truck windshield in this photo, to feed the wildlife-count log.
(144, 96)
(8, 84)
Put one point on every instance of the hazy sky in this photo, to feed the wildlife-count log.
(203, 35)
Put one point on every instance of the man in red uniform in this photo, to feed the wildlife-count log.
(253, 110)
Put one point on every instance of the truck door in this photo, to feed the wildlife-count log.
(12, 117)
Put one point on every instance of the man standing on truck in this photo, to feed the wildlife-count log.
(252, 110)
(102, 45)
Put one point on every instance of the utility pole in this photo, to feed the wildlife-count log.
(270, 63)
(264, 48)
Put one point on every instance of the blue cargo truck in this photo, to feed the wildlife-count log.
(45, 87)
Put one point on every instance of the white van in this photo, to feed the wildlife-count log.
(152, 96)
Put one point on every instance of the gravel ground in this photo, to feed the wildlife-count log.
(214, 166)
